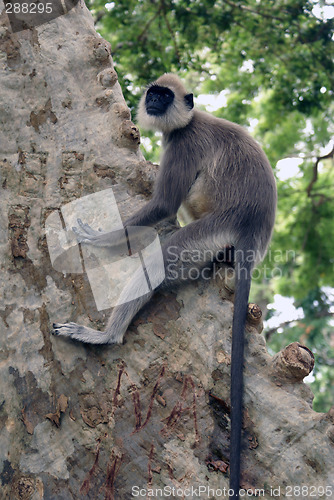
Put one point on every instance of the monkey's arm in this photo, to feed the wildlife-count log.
(86, 234)
(171, 189)
(176, 175)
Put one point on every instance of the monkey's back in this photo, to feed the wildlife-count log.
(233, 179)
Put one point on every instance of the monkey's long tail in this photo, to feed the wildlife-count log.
(242, 288)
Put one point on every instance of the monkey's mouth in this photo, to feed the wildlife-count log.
(154, 110)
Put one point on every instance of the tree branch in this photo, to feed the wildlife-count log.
(315, 171)
(271, 331)
(149, 22)
(172, 34)
(256, 12)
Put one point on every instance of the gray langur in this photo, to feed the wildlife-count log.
(223, 178)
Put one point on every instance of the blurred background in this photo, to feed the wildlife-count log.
(267, 65)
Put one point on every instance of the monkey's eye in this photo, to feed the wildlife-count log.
(161, 92)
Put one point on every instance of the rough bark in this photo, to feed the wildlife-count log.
(80, 421)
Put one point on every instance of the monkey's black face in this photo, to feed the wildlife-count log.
(158, 99)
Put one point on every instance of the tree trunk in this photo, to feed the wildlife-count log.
(79, 421)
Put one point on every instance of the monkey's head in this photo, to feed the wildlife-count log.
(165, 105)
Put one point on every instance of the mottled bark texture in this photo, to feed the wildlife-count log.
(92, 422)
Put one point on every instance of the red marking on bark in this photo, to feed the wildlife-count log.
(226, 407)
(113, 468)
(194, 411)
(136, 404)
(85, 487)
(154, 392)
(216, 465)
(149, 466)
(150, 407)
(178, 409)
(117, 390)
(170, 471)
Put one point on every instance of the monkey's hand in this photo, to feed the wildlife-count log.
(84, 334)
(85, 234)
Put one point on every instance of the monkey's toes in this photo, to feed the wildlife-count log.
(66, 329)
(55, 328)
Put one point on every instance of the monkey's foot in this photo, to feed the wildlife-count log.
(81, 333)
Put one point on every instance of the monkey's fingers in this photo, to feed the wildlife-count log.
(81, 236)
(87, 229)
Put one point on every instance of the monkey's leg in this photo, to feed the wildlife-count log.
(134, 295)
(185, 253)
(121, 316)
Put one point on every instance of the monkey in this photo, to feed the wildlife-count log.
(221, 175)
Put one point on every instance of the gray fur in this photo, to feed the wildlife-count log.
(223, 178)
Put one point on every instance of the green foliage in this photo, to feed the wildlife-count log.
(289, 47)
(274, 58)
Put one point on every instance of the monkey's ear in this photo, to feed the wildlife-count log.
(189, 98)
